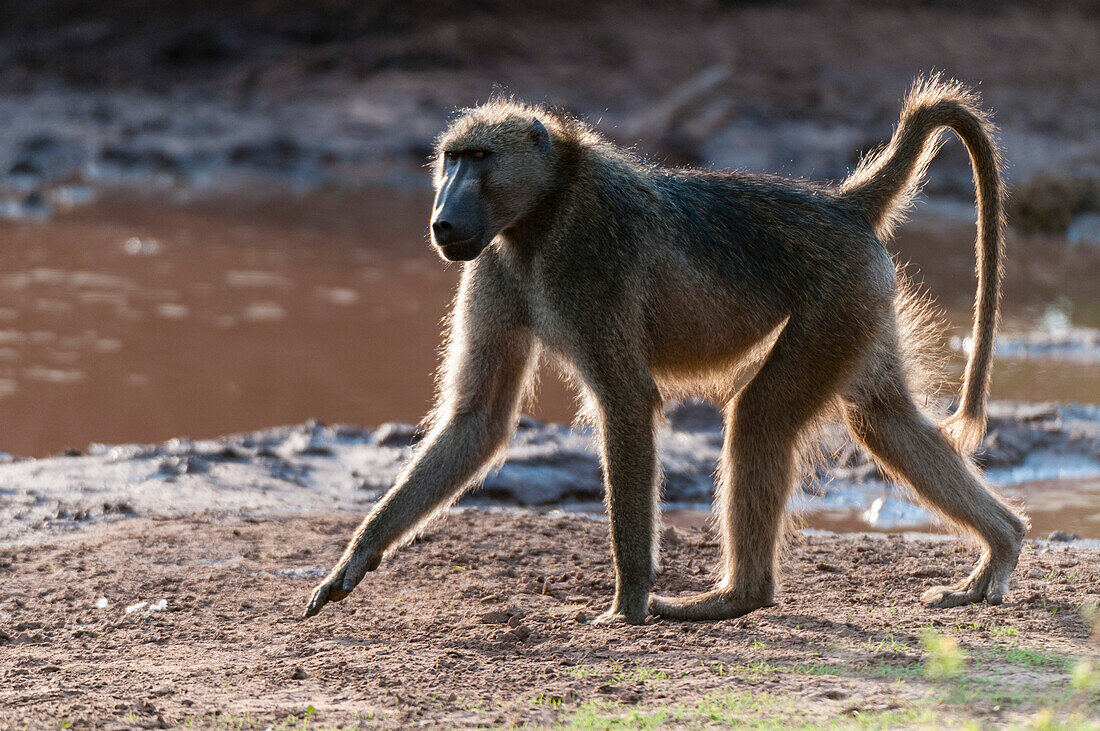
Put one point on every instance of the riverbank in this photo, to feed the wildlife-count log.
(287, 471)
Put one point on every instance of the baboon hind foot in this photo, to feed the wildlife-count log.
(988, 582)
(714, 604)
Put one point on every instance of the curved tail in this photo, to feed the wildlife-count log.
(884, 185)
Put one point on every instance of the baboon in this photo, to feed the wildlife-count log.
(650, 283)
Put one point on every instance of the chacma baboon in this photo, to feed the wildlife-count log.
(651, 283)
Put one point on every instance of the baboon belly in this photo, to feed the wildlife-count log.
(695, 322)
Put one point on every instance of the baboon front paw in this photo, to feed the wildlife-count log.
(612, 616)
(341, 580)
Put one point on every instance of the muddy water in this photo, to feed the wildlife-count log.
(1071, 506)
(144, 319)
(140, 320)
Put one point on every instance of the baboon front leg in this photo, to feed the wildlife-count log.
(488, 367)
(758, 464)
(892, 427)
(445, 466)
(630, 484)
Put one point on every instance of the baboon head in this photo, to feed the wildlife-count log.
(492, 166)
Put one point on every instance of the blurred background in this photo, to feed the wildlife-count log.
(213, 214)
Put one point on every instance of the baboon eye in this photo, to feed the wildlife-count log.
(450, 155)
(478, 154)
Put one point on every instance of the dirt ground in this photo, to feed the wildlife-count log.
(483, 622)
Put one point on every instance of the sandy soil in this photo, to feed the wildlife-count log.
(482, 622)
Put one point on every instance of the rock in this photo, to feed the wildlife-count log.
(229, 452)
(581, 617)
(308, 440)
(27, 638)
(279, 153)
(1001, 448)
(396, 434)
(350, 432)
(688, 485)
(495, 617)
(179, 447)
(298, 674)
(546, 474)
(126, 452)
(527, 422)
(1062, 536)
(693, 415)
(129, 161)
(25, 167)
(186, 465)
(1084, 229)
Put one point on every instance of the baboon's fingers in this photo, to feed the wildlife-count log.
(331, 589)
(318, 600)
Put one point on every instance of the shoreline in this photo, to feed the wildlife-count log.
(311, 467)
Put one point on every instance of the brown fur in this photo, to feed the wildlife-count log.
(648, 284)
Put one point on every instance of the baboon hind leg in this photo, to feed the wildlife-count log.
(882, 415)
(801, 373)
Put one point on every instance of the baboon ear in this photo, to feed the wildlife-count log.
(540, 136)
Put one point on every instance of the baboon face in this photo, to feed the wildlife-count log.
(492, 167)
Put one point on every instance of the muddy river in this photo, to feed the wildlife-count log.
(1071, 506)
(143, 319)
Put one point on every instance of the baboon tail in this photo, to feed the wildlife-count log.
(884, 185)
